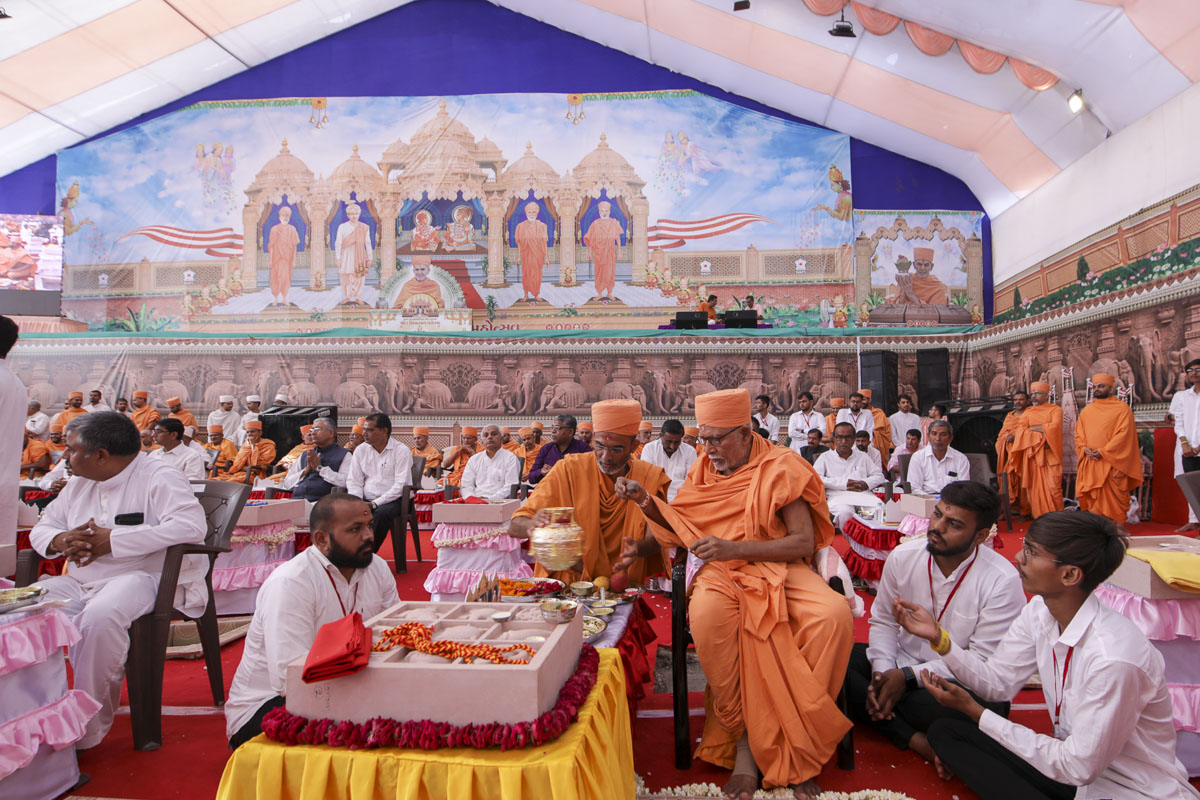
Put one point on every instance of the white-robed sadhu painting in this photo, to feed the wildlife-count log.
(410, 213)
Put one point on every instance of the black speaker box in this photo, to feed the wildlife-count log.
(746, 318)
(691, 320)
(281, 424)
(933, 377)
(881, 374)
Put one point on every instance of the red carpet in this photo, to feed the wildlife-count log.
(194, 753)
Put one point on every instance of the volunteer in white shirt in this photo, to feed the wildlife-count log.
(338, 575)
(168, 435)
(903, 420)
(803, 421)
(975, 592)
(862, 443)
(37, 423)
(492, 471)
(1185, 410)
(672, 454)
(229, 420)
(114, 521)
(253, 404)
(766, 420)
(861, 418)
(96, 402)
(12, 437)
(848, 474)
(937, 464)
(1114, 734)
(379, 470)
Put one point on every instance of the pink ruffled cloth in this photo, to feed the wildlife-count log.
(35, 638)
(1160, 620)
(448, 532)
(912, 525)
(459, 581)
(59, 725)
(247, 576)
(1185, 707)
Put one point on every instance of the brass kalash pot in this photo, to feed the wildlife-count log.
(557, 545)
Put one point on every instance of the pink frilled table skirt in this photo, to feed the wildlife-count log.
(1173, 627)
(40, 719)
(258, 551)
(465, 553)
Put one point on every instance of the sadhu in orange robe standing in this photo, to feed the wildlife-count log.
(773, 638)
(1040, 452)
(1009, 462)
(577, 482)
(1106, 425)
(531, 235)
(603, 238)
(882, 436)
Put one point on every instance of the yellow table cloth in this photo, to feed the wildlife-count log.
(1179, 570)
(592, 760)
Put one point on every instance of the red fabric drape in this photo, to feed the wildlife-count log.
(873, 20)
(981, 59)
(1167, 503)
(634, 646)
(1035, 78)
(870, 537)
(866, 568)
(51, 566)
(929, 42)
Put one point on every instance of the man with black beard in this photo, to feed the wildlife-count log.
(972, 591)
(337, 576)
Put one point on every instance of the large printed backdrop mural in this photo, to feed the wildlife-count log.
(530, 211)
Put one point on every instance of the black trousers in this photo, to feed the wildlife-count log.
(914, 712)
(381, 522)
(991, 770)
(253, 726)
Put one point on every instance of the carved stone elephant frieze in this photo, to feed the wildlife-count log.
(431, 395)
(159, 392)
(357, 396)
(487, 396)
(525, 393)
(563, 396)
(213, 392)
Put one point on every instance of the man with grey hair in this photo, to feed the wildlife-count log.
(114, 521)
(937, 464)
(323, 466)
(36, 422)
(492, 471)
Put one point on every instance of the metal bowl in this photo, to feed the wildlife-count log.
(559, 611)
(582, 588)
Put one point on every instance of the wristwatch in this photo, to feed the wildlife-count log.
(910, 678)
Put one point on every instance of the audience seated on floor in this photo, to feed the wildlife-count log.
(937, 464)
(848, 474)
(338, 575)
(113, 522)
(492, 471)
(1114, 736)
(973, 591)
(168, 435)
(379, 470)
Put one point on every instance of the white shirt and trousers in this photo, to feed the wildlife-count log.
(1185, 409)
(676, 465)
(293, 603)
(490, 477)
(380, 477)
(1114, 735)
(104, 597)
(835, 471)
(927, 475)
(977, 602)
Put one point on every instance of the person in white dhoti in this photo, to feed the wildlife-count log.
(13, 398)
(492, 471)
(229, 420)
(849, 475)
(114, 521)
(672, 454)
(338, 575)
(168, 435)
(353, 251)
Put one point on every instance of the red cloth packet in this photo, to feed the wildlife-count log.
(341, 647)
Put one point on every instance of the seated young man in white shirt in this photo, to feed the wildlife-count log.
(974, 591)
(379, 470)
(114, 521)
(492, 471)
(862, 442)
(938, 464)
(337, 576)
(766, 420)
(168, 435)
(1114, 735)
(672, 454)
(849, 475)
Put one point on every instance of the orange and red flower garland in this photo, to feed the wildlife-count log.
(282, 726)
(416, 636)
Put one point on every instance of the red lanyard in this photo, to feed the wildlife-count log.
(1062, 688)
(338, 595)
(954, 591)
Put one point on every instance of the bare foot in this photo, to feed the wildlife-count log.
(807, 790)
(919, 744)
(942, 770)
(1191, 526)
(741, 786)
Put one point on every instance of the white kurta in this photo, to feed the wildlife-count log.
(1115, 736)
(927, 475)
(901, 424)
(835, 471)
(292, 604)
(14, 402)
(771, 423)
(183, 458)
(490, 477)
(862, 420)
(676, 465)
(800, 423)
(380, 476)
(230, 422)
(38, 425)
(91, 409)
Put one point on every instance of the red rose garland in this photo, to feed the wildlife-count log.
(282, 726)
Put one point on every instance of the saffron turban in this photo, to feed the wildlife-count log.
(725, 408)
(506, 431)
(174, 401)
(357, 429)
(1039, 386)
(691, 431)
(866, 393)
(622, 417)
(837, 402)
(469, 431)
(142, 394)
(216, 428)
(56, 428)
(420, 430)
(304, 429)
(585, 426)
(525, 432)
(923, 253)
(75, 395)
(226, 398)
(254, 425)
(1104, 377)
(646, 425)
(537, 426)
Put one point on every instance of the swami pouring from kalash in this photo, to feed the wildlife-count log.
(587, 482)
(772, 637)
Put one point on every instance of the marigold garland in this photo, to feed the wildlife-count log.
(416, 636)
(282, 726)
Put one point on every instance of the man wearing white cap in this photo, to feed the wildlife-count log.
(253, 404)
(189, 439)
(225, 416)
